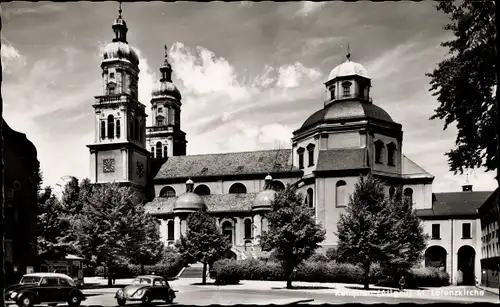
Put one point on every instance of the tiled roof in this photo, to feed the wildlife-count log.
(341, 159)
(215, 203)
(455, 204)
(411, 169)
(233, 163)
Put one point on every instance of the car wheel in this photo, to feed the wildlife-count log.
(25, 301)
(169, 299)
(146, 299)
(74, 300)
(121, 302)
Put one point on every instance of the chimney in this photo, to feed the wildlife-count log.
(467, 187)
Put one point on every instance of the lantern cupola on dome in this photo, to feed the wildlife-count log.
(189, 201)
(263, 200)
(165, 87)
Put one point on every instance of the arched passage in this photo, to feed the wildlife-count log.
(435, 256)
(466, 259)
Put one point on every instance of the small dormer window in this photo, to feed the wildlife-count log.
(160, 110)
(160, 122)
(379, 151)
(112, 75)
(362, 90)
(332, 93)
(391, 152)
(310, 152)
(346, 86)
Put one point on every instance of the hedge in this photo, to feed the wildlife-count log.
(232, 271)
(167, 270)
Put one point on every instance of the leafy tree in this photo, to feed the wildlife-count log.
(364, 231)
(465, 84)
(407, 237)
(331, 254)
(293, 232)
(50, 244)
(203, 241)
(107, 223)
(70, 196)
(147, 247)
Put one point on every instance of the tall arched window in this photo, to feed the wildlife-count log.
(227, 231)
(300, 153)
(310, 154)
(137, 132)
(392, 190)
(391, 153)
(341, 193)
(118, 127)
(278, 186)
(202, 190)
(158, 150)
(237, 188)
(408, 195)
(310, 198)
(103, 129)
(165, 152)
(167, 192)
(248, 229)
(170, 230)
(111, 126)
(379, 151)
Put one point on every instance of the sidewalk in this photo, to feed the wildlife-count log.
(489, 289)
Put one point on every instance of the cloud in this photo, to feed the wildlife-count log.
(309, 7)
(147, 80)
(246, 3)
(11, 58)
(292, 75)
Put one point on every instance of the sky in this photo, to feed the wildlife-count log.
(250, 73)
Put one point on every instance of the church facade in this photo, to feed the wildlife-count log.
(348, 136)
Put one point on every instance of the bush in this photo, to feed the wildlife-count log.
(376, 273)
(167, 270)
(418, 277)
(226, 272)
(318, 258)
(331, 254)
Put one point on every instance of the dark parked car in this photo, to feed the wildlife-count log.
(44, 288)
(146, 289)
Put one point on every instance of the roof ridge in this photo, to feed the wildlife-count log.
(234, 152)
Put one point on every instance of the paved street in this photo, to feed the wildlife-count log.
(266, 292)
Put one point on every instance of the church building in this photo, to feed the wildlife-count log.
(347, 136)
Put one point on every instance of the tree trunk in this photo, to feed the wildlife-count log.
(367, 275)
(204, 277)
(110, 276)
(289, 278)
(497, 101)
(142, 268)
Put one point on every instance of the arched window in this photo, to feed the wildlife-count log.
(118, 127)
(341, 193)
(170, 230)
(391, 152)
(392, 190)
(136, 126)
(103, 130)
(202, 190)
(310, 198)
(237, 188)
(165, 152)
(111, 126)
(248, 229)
(408, 195)
(278, 186)
(310, 154)
(379, 151)
(167, 192)
(332, 93)
(300, 153)
(227, 231)
(158, 150)
(346, 87)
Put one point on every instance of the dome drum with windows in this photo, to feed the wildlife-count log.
(189, 201)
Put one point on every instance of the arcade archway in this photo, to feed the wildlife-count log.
(466, 260)
(435, 256)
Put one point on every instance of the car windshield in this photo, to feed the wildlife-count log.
(30, 280)
(67, 281)
(141, 281)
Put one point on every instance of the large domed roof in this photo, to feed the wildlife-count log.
(348, 68)
(345, 110)
(189, 201)
(120, 51)
(165, 88)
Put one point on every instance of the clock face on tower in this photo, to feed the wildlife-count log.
(140, 169)
(108, 165)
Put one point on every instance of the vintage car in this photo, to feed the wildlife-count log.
(44, 288)
(145, 289)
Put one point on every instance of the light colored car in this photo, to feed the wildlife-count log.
(146, 288)
(44, 288)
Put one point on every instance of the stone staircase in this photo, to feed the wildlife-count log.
(195, 270)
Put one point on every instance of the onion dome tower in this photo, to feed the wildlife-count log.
(189, 201)
(118, 153)
(165, 137)
(263, 200)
